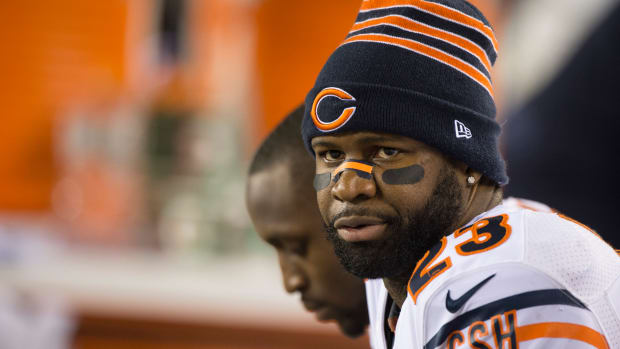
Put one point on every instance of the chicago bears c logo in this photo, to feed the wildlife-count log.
(346, 114)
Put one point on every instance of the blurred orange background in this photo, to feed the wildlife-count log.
(128, 128)
(70, 54)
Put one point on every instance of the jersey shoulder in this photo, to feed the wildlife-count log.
(519, 256)
(566, 250)
(504, 305)
(571, 253)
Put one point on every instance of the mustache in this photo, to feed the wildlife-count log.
(360, 212)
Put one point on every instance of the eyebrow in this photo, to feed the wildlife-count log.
(324, 144)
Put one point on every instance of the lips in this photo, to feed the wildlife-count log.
(323, 312)
(311, 305)
(360, 228)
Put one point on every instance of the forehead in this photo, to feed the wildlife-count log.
(281, 204)
(359, 139)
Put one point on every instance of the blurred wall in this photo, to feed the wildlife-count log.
(54, 52)
(293, 41)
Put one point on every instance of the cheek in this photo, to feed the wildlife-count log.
(323, 199)
(329, 276)
(284, 264)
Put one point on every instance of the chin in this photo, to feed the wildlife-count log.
(352, 329)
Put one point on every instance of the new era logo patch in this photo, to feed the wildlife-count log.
(461, 130)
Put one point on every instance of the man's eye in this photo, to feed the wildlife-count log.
(275, 243)
(387, 153)
(297, 247)
(332, 155)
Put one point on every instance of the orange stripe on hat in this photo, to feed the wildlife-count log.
(411, 25)
(428, 51)
(562, 330)
(439, 10)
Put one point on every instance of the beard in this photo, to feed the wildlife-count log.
(407, 237)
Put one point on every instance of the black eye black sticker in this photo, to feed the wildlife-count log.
(321, 181)
(406, 175)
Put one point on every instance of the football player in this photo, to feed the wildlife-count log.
(401, 121)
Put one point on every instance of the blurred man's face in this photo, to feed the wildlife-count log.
(285, 214)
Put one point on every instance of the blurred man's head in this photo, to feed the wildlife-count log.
(282, 205)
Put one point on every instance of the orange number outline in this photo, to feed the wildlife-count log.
(426, 269)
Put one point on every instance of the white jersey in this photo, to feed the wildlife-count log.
(517, 276)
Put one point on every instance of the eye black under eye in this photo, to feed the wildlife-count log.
(276, 243)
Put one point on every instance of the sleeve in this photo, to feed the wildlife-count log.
(508, 306)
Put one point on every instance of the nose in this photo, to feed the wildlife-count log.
(351, 187)
(293, 276)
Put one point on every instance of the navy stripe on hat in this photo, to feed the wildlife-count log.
(442, 45)
(418, 12)
(416, 68)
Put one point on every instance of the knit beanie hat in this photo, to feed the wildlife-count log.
(416, 68)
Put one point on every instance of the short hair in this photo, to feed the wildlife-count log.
(284, 144)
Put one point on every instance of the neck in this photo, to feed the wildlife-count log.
(397, 288)
(482, 197)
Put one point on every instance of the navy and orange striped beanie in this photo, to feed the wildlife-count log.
(417, 68)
